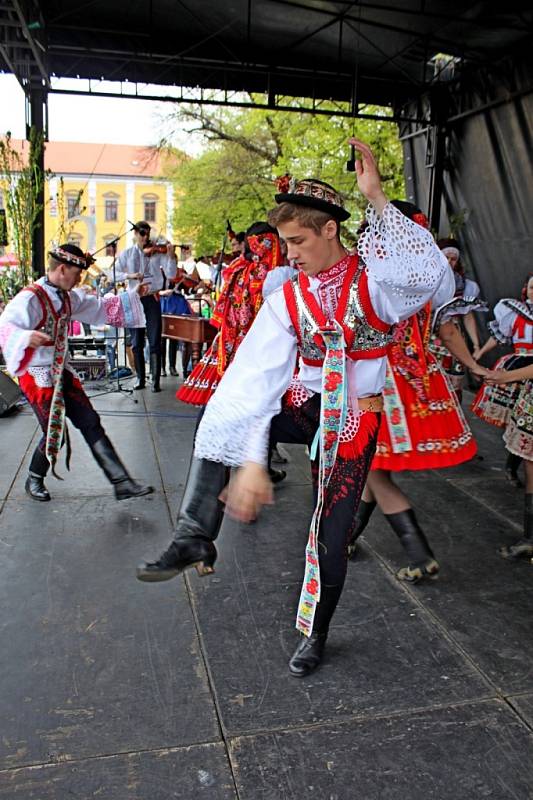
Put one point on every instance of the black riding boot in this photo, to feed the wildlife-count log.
(197, 525)
(523, 548)
(362, 517)
(422, 563)
(310, 650)
(155, 371)
(116, 472)
(34, 485)
(511, 470)
(140, 369)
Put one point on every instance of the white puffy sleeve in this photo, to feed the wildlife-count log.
(501, 326)
(405, 266)
(122, 310)
(236, 422)
(19, 319)
(471, 289)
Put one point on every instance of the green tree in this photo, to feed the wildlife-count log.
(245, 150)
(21, 180)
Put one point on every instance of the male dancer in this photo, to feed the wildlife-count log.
(140, 263)
(337, 316)
(33, 337)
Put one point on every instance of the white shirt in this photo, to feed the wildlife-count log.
(134, 260)
(405, 270)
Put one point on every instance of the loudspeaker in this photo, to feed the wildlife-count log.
(10, 394)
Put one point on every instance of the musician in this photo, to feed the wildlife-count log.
(144, 262)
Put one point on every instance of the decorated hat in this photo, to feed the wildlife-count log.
(71, 255)
(313, 194)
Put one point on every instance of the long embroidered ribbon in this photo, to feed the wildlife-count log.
(56, 421)
(332, 413)
(395, 413)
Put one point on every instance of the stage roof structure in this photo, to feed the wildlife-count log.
(456, 76)
(357, 53)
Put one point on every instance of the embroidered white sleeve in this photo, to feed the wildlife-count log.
(17, 322)
(402, 258)
(236, 422)
(504, 320)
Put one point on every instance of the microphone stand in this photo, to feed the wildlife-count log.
(119, 388)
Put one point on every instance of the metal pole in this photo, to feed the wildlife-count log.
(37, 118)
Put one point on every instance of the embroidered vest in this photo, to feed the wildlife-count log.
(522, 332)
(365, 334)
(50, 317)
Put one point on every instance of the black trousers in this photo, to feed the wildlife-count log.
(152, 312)
(78, 409)
(298, 425)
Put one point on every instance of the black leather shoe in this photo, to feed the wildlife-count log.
(308, 655)
(107, 459)
(36, 489)
(180, 555)
(130, 488)
(173, 372)
(139, 385)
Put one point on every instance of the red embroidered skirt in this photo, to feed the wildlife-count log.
(203, 380)
(426, 435)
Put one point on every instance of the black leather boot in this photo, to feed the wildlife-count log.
(310, 650)
(115, 471)
(140, 369)
(362, 517)
(34, 485)
(523, 548)
(422, 563)
(155, 371)
(197, 525)
(511, 470)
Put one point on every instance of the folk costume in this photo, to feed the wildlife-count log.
(338, 324)
(155, 269)
(518, 439)
(422, 427)
(466, 294)
(240, 300)
(513, 325)
(46, 376)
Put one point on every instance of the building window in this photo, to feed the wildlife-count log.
(73, 205)
(111, 210)
(149, 210)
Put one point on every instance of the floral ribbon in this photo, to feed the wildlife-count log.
(56, 420)
(332, 413)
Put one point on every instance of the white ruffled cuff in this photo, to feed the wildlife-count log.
(15, 347)
(401, 254)
(496, 332)
(231, 435)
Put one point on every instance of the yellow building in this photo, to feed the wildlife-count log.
(98, 189)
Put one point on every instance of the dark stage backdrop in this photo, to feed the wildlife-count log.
(488, 175)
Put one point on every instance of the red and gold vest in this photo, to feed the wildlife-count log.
(365, 334)
(50, 317)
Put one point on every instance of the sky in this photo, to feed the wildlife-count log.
(73, 118)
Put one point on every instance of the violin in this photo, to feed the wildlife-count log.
(150, 249)
(184, 279)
